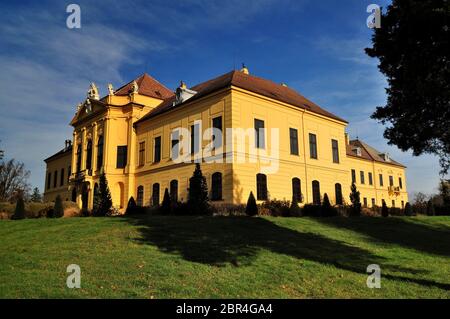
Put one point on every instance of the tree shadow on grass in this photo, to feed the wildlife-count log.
(408, 233)
(219, 241)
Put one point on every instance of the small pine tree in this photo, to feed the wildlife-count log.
(105, 202)
(36, 196)
(131, 207)
(327, 210)
(408, 210)
(355, 200)
(430, 208)
(198, 201)
(19, 212)
(166, 204)
(384, 209)
(251, 209)
(294, 209)
(58, 209)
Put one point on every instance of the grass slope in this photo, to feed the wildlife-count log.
(221, 257)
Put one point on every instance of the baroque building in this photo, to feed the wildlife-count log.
(248, 133)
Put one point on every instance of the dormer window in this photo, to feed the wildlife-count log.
(385, 157)
(357, 151)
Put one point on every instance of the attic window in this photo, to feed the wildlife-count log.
(385, 157)
(357, 151)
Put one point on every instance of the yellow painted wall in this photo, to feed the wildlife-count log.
(57, 164)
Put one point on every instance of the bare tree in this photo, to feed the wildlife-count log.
(13, 180)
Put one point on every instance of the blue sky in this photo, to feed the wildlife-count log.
(316, 47)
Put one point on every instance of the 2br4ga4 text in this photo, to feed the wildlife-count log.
(225, 308)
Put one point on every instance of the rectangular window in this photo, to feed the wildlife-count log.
(353, 176)
(391, 181)
(157, 153)
(259, 134)
(335, 149)
(393, 203)
(55, 179)
(121, 156)
(365, 201)
(195, 138)
(361, 176)
(49, 180)
(400, 183)
(373, 202)
(370, 179)
(141, 153)
(217, 126)
(175, 144)
(312, 146)
(381, 180)
(403, 204)
(293, 137)
(61, 178)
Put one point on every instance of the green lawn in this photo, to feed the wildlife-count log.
(225, 257)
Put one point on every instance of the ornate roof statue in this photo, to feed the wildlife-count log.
(93, 92)
(110, 89)
(134, 87)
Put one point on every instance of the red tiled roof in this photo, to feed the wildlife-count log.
(368, 153)
(250, 83)
(147, 86)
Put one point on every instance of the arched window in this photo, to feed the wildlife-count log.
(89, 155)
(261, 187)
(338, 191)
(78, 158)
(296, 189)
(316, 192)
(140, 196)
(174, 190)
(100, 152)
(74, 195)
(155, 195)
(216, 186)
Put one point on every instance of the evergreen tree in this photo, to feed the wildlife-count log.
(412, 46)
(430, 208)
(251, 209)
(166, 203)
(294, 209)
(36, 196)
(131, 207)
(58, 209)
(384, 209)
(105, 201)
(198, 201)
(408, 209)
(355, 200)
(327, 210)
(19, 212)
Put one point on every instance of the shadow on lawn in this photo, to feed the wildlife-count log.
(409, 233)
(236, 240)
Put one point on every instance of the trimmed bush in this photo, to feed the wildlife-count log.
(408, 210)
(277, 207)
(131, 207)
(312, 210)
(19, 212)
(198, 201)
(327, 209)
(430, 208)
(355, 200)
(251, 209)
(384, 210)
(166, 204)
(58, 209)
(294, 209)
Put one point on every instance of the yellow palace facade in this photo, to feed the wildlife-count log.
(274, 142)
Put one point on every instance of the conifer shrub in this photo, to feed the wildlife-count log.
(58, 209)
(251, 209)
(198, 201)
(166, 205)
(408, 210)
(19, 212)
(384, 210)
(430, 208)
